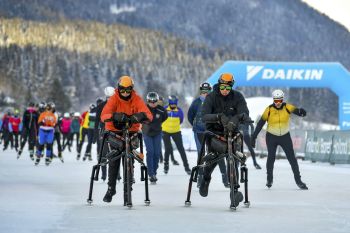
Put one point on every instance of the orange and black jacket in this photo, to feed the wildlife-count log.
(131, 106)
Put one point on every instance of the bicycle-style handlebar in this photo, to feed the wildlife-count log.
(232, 123)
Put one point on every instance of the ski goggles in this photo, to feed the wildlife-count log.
(205, 91)
(152, 101)
(127, 90)
(225, 87)
(278, 101)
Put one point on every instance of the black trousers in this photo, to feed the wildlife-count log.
(8, 138)
(66, 140)
(177, 137)
(71, 138)
(113, 166)
(29, 135)
(15, 138)
(221, 163)
(57, 138)
(285, 141)
(246, 139)
(90, 135)
(104, 152)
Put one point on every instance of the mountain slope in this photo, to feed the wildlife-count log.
(260, 29)
(86, 57)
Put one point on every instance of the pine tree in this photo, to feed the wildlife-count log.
(59, 97)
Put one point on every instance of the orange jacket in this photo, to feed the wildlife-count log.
(115, 104)
(47, 120)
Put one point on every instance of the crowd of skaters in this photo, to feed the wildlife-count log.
(42, 127)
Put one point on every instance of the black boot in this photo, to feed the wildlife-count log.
(60, 156)
(48, 161)
(19, 153)
(175, 162)
(153, 179)
(257, 166)
(109, 194)
(188, 170)
(166, 167)
(300, 184)
(225, 180)
(204, 187)
(269, 181)
(37, 160)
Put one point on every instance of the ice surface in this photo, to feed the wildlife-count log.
(53, 199)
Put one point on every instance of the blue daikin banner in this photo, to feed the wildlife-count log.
(293, 74)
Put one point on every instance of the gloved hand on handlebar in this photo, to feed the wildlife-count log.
(223, 119)
(246, 118)
(138, 117)
(120, 117)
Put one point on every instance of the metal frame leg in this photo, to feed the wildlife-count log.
(189, 190)
(147, 201)
(94, 168)
(244, 179)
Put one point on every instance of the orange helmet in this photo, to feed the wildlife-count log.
(227, 78)
(125, 81)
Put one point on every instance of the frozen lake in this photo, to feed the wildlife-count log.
(53, 199)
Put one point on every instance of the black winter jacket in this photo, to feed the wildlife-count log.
(155, 126)
(30, 120)
(232, 104)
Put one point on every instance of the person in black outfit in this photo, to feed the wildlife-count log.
(194, 116)
(29, 130)
(99, 128)
(57, 133)
(224, 102)
(152, 134)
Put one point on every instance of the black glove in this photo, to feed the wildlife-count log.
(246, 118)
(253, 141)
(138, 117)
(120, 117)
(224, 119)
(302, 112)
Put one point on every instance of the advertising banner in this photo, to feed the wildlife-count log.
(293, 74)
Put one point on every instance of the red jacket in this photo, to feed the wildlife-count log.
(15, 122)
(115, 104)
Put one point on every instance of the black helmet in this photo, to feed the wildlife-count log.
(205, 87)
(152, 97)
(51, 105)
(99, 100)
(92, 106)
(42, 105)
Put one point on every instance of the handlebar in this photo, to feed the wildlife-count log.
(232, 121)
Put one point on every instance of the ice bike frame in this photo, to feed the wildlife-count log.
(128, 156)
(234, 139)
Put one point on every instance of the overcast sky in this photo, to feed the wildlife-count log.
(338, 10)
